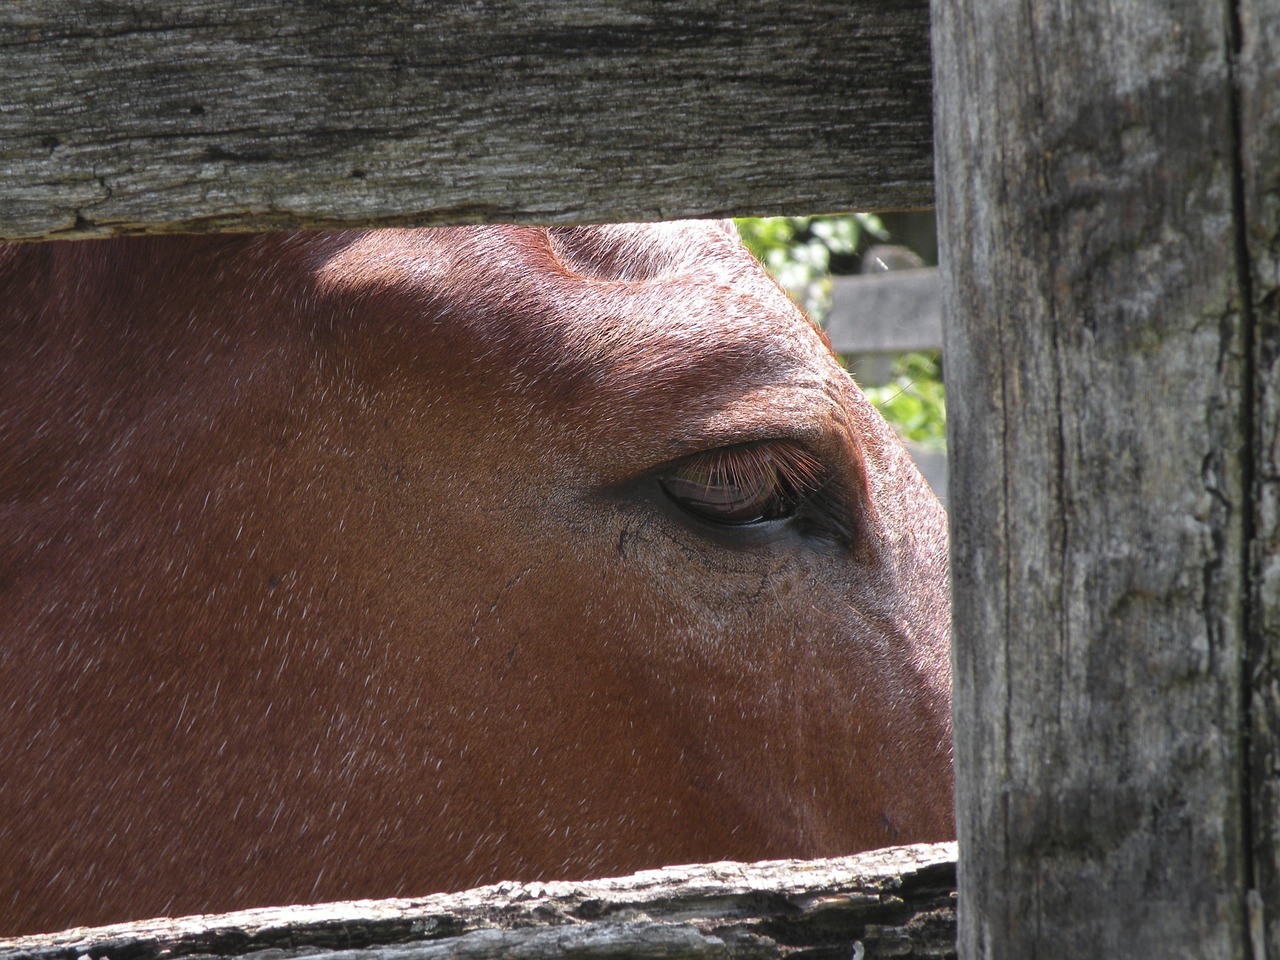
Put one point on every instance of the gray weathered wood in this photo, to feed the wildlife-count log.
(897, 902)
(1259, 28)
(224, 114)
(890, 312)
(1097, 338)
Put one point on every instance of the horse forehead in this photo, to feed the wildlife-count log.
(603, 251)
(613, 298)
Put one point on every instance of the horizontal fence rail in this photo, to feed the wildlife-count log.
(892, 312)
(218, 115)
(897, 902)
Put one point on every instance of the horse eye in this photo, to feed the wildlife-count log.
(737, 485)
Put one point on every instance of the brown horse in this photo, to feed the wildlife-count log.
(375, 564)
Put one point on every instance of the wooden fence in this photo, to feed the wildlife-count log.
(886, 313)
(898, 902)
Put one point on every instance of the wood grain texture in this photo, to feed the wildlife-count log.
(897, 902)
(1096, 342)
(122, 117)
(1259, 120)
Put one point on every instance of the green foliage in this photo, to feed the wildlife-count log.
(798, 252)
(913, 400)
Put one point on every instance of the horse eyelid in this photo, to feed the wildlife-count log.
(747, 483)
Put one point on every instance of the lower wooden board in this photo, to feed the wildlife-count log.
(897, 902)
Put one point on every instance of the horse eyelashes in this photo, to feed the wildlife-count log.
(746, 484)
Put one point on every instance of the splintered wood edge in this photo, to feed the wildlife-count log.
(901, 898)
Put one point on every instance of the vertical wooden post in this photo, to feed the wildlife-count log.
(1115, 499)
(1258, 28)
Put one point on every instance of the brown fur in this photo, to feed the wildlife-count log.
(336, 566)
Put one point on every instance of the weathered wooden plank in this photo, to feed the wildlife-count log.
(890, 312)
(1096, 339)
(1259, 43)
(121, 117)
(898, 902)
